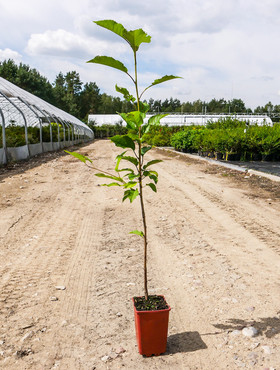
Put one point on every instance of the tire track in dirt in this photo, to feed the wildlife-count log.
(81, 270)
(187, 323)
(243, 242)
(38, 251)
(253, 221)
(27, 285)
(76, 301)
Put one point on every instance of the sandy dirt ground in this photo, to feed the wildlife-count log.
(69, 267)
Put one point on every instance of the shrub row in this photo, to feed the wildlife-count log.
(108, 131)
(157, 136)
(160, 135)
(239, 143)
(226, 139)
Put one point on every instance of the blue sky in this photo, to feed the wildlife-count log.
(222, 48)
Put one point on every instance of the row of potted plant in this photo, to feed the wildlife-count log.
(106, 131)
(15, 135)
(228, 139)
(160, 135)
(249, 143)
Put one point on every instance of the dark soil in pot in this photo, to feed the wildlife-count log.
(153, 303)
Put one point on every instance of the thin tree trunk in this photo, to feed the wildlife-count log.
(144, 222)
(145, 243)
(140, 158)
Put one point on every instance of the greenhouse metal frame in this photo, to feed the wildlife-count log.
(30, 126)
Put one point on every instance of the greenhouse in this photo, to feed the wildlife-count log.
(30, 126)
(184, 119)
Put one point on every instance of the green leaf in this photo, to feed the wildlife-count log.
(149, 172)
(164, 79)
(153, 172)
(111, 184)
(154, 161)
(134, 137)
(109, 62)
(109, 177)
(154, 178)
(137, 232)
(134, 195)
(119, 158)
(130, 159)
(127, 170)
(134, 118)
(125, 93)
(145, 129)
(111, 25)
(144, 107)
(145, 149)
(81, 157)
(152, 186)
(130, 184)
(155, 120)
(132, 176)
(153, 175)
(134, 37)
(160, 80)
(130, 194)
(130, 124)
(123, 141)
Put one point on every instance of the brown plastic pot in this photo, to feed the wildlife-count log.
(151, 331)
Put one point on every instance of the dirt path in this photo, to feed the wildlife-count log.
(214, 239)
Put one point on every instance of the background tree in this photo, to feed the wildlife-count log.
(67, 91)
(187, 107)
(197, 106)
(237, 106)
(28, 79)
(9, 70)
(60, 91)
(90, 100)
(70, 94)
(171, 105)
(217, 106)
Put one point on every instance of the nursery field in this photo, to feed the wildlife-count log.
(69, 267)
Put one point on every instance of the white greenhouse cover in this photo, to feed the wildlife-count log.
(13, 92)
(19, 108)
(183, 119)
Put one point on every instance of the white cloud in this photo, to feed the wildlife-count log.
(61, 43)
(57, 43)
(221, 48)
(10, 54)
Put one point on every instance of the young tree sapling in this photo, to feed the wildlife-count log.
(141, 175)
